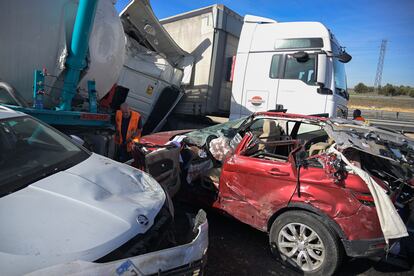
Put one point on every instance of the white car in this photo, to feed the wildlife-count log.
(63, 206)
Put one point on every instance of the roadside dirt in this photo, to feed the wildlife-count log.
(391, 109)
(377, 102)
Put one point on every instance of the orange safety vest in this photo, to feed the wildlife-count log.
(359, 118)
(133, 133)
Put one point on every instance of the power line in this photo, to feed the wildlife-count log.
(380, 66)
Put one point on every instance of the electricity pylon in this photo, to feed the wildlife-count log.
(380, 66)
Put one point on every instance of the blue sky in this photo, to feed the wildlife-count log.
(358, 25)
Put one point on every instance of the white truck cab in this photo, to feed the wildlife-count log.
(298, 66)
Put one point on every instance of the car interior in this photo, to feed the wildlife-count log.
(272, 139)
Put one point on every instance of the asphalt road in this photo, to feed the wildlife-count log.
(237, 249)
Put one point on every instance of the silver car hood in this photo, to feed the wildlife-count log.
(380, 142)
(82, 213)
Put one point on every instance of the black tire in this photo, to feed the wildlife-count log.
(332, 251)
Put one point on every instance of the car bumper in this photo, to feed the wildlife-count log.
(365, 248)
(186, 259)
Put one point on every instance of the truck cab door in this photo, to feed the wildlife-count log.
(298, 89)
(261, 82)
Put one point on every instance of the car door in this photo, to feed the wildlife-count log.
(163, 165)
(252, 189)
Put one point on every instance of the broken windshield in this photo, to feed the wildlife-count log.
(228, 129)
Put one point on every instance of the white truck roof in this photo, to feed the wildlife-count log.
(256, 30)
(257, 19)
(138, 17)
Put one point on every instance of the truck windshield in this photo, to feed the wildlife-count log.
(340, 78)
(30, 151)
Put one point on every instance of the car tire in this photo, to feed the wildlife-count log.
(303, 241)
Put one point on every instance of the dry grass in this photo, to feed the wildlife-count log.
(376, 102)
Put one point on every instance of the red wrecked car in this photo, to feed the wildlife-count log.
(320, 187)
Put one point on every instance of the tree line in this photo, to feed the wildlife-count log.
(387, 90)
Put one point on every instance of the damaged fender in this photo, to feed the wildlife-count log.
(187, 258)
(391, 223)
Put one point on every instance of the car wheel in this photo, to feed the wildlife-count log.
(302, 240)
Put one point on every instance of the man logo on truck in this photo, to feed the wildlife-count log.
(256, 100)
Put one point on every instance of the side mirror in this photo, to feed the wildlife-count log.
(321, 75)
(301, 56)
(324, 91)
(344, 57)
(77, 140)
(301, 158)
(321, 71)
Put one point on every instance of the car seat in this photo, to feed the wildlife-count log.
(271, 132)
(320, 147)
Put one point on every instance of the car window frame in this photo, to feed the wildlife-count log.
(244, 144)
(280, 66)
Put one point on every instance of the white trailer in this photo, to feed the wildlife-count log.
(211, 36)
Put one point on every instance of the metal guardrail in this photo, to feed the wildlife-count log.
(386, 115)
(400, 121)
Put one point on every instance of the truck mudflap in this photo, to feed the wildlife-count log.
(186, 259)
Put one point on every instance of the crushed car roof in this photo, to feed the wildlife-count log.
(380, 142)
(290, 115)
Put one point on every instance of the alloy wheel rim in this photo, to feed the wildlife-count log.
(302, 245)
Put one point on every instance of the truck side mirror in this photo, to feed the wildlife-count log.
(344, 57)
(321, 75)
(321, 71)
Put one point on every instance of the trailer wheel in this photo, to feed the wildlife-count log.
(304, 242)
